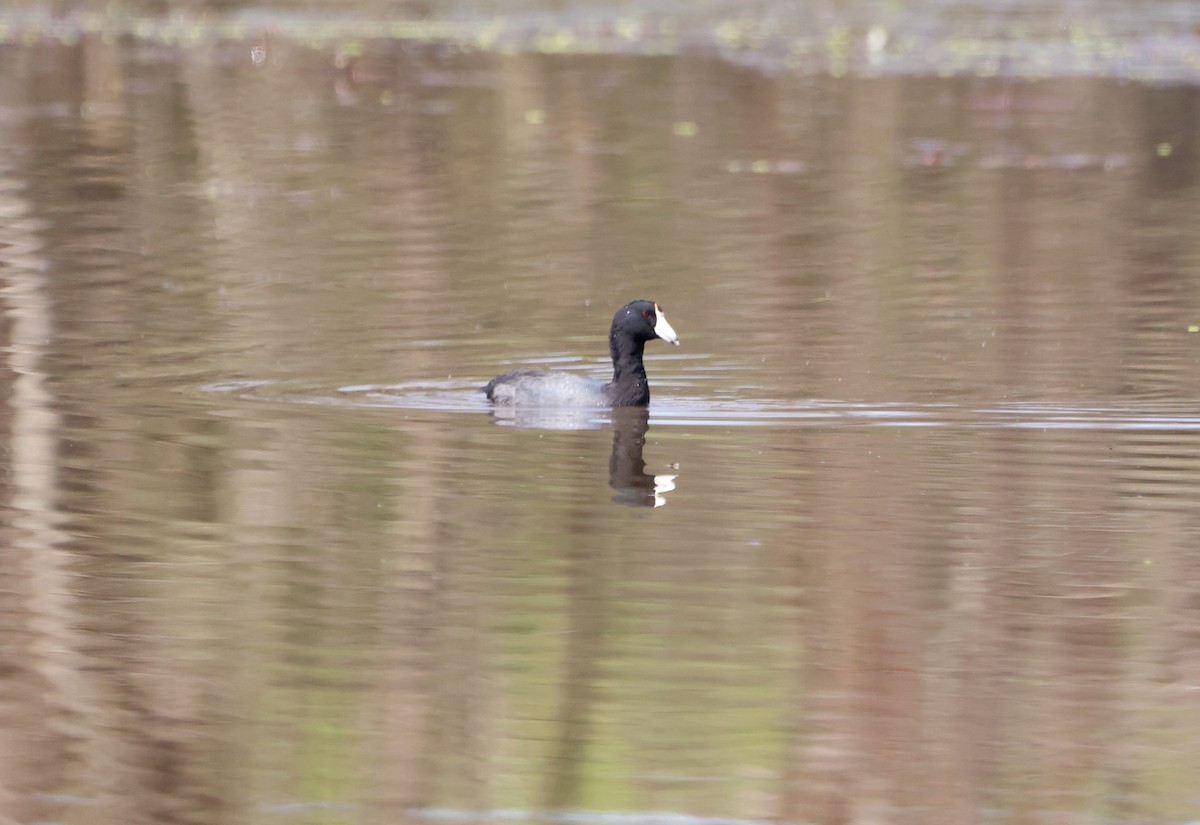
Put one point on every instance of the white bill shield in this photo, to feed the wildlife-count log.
(662, 329)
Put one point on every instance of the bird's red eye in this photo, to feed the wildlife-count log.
(646, 313)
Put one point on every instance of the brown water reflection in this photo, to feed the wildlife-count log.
(929, 555)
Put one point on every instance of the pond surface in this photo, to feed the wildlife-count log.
(910, 533)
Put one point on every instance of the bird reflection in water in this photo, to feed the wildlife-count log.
(626, 467)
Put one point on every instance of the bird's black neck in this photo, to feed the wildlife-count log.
(629, 386)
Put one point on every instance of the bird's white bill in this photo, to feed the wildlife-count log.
(662, 329)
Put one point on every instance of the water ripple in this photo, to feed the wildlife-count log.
(463, 396)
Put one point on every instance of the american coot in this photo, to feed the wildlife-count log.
(632, 326)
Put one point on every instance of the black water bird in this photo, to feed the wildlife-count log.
(632, 326)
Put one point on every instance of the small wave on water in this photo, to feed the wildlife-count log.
(1006, 415)
(506, 815)
(463, 396)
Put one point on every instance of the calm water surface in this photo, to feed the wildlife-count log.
(909, 535)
